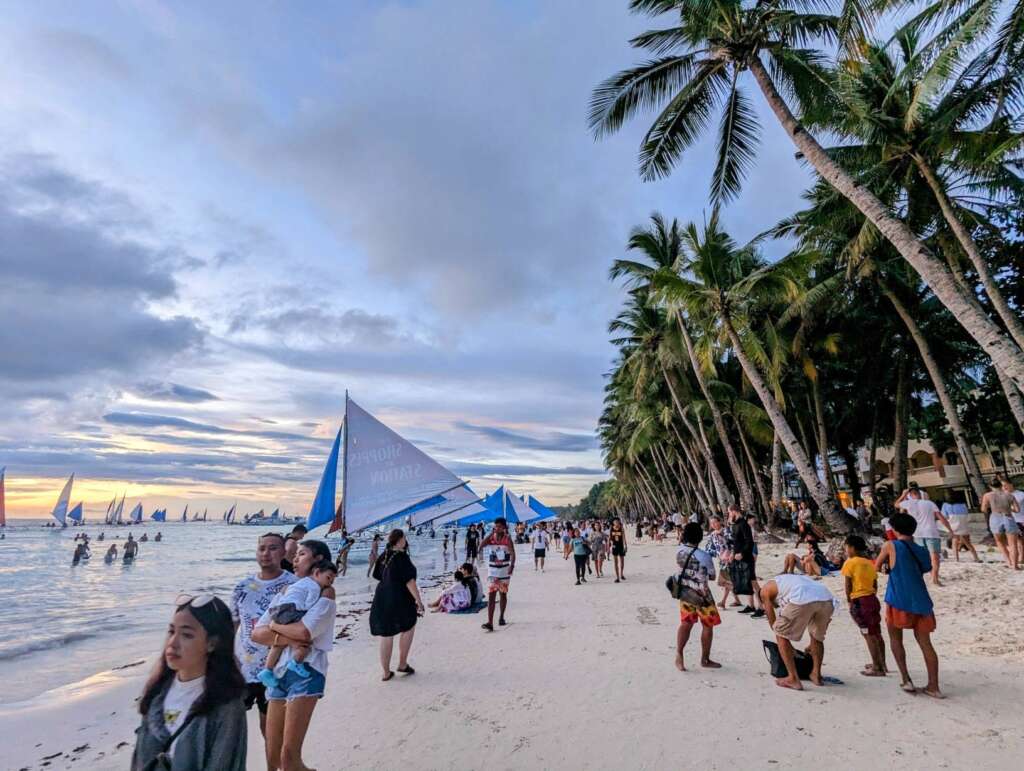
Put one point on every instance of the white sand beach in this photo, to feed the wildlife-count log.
(584, 676)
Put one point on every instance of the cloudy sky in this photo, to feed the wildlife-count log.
(216, 218)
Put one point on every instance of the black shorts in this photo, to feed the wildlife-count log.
(256, 693)
(539, 553)
(618, 550)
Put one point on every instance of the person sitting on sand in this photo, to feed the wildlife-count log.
(804, 605)
(476, 586)
(455, 598)
(907, 602)
(696, 568)
(289, 607)
(813, 563)
(861, 582)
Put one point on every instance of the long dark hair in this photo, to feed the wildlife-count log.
(224, 683)
(390, 551)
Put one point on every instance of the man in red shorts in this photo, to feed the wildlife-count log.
(500, 553)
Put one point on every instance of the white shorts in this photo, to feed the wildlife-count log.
(960, 524)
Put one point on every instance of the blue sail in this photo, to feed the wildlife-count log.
(322, 510)
(543, 512)
(160, 515)
(494, 505)
(76, 513)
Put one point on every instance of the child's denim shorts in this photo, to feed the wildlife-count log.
(292, 686)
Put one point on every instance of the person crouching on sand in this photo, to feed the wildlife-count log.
(907, 602)
(698, 603)
(804, 604)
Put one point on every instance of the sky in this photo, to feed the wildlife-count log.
(217, 218)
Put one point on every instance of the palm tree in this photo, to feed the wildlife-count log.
(717, 279)
(660, 245)
(700, 60)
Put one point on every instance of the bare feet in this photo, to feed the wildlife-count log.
(785, 682)
(816, 679)
(871, 672)
(710, 664)
(935, 694)
(679, 662)
(908, 687)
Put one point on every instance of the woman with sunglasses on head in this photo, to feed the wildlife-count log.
(292, 701)
(193, 718)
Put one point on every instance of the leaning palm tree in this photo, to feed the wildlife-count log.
(720, 280)
(700, 61)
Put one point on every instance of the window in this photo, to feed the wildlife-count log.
(952, 459)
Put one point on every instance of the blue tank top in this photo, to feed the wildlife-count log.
(906, 590)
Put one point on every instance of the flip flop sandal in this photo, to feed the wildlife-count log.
(488, 627)
(407, 670)
(388, 677)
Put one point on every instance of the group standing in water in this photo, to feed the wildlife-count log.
(129, 553)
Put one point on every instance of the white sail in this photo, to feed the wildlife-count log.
(116, 519)
(523, 513)
(60, 511)
(384, 473)
(461, 502)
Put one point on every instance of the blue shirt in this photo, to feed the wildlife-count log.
(579, 547)
(906, 590)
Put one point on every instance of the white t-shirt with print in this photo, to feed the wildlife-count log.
(540, 539)
(249, 601)
(179, 700)
(924, 512)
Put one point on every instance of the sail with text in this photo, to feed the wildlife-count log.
(75, 515)
(542, 512)
(60, 511)
(3, 505)
(384, 474)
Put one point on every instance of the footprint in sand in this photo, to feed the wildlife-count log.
(646, 615)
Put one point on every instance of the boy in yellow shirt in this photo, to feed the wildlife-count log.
(861, 580)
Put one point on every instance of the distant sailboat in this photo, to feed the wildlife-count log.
(60, 511)
(115, 518)
(204, 514)
(75, 515)
(160, 515)
(3, 505)
(184, 514)
(136, 516)
(110, 509)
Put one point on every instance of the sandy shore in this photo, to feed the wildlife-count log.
(584, 676)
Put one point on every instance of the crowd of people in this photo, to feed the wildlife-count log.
(268, 647)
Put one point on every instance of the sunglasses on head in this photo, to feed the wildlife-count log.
(194, 600)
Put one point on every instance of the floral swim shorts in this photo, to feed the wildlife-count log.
(706, 614)
(497, 585)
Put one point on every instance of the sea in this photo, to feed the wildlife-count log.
(62, 624)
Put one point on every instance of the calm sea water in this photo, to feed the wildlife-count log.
(62, 624)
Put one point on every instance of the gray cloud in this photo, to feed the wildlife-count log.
(557, 441)
(468, 469)
(149, 420)
(173, 392)
(80, 53)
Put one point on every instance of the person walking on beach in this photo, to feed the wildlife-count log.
(617, 537)
(580, 555)
(907, 602)
(191, 706)
(539, 540)
(396, 604)
(598, 548)
(804, 605)
(472, 543)
(720, 545)
(346, 546)
(696, 603)
(1018, 517)
(927, 516)
(250, 599)
(374, 552)
(744, 582)
(1000, 505)
(861, 583)
(292, 701)
(501, 563)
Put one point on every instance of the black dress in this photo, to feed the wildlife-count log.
(393, 610)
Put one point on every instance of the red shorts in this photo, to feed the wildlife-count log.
(499, 585)
(901, 619)
(866, 613)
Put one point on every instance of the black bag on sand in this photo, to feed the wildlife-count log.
(804, 663)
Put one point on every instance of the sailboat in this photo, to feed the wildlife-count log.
(115, 515)
(204, 515)
(75, 515)
(160, 515)
(60, 511)
(384, 477)
(184, 514)
(110, 509)
(3, 505)
(542, 511)
(136, 516)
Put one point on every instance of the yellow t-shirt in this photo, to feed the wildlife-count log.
(862, 573)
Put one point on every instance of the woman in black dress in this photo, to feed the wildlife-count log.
(618, 542)
(396, 603)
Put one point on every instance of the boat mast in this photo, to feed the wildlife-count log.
(344, 462)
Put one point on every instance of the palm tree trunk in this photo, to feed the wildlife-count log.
(899, 441)
(873, 456)
(776, 471)
(758, 481)
(702, 489)
(746, 498)
(827, 505)
(1003, 351)
(819, 420)
(721, 491)
(939, 384)
(1006, 314)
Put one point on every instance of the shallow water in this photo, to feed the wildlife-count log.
(62, 624)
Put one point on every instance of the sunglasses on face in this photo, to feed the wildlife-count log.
(194, 600)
